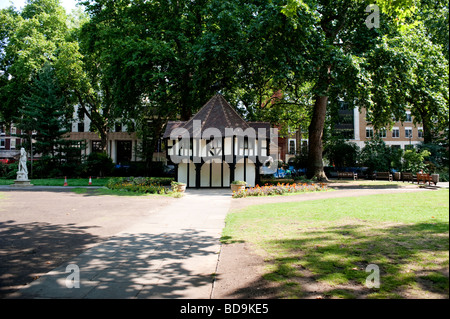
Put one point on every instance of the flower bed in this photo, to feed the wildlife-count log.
(149, 185)
(279, 189)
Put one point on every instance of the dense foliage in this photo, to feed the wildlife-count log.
(290, 62)
(150, 185)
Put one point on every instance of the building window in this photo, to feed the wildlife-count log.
(408, 117)
(2, 131)
(97, 147)
(420, 132)
(396, 132)
(13, 130)
(369, 132)
(80, 127)
(118, 127)
(2, 143)
(12, 144)
(292, 147)
(382, 133)
(408, 132)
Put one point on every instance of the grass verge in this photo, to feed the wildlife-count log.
(326, 245)
(117, 192)
(106, 191)
(60, 182)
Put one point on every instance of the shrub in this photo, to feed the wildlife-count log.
(443, 175)
(414, 161)
(377, 156)
(148, 185)
(8, 171)
(99, 164)
(341, 153)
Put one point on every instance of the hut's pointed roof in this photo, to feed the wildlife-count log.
(217, 113)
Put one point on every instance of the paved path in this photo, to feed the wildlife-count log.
(171, 254)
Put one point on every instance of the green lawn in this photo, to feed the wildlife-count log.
(60, 182)
(329, 243)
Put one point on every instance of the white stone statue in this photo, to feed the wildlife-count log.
(22, 173)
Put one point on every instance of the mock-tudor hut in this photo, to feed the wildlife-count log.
(217, 146)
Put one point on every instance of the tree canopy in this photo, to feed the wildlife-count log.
(28, 40)
(291, 62)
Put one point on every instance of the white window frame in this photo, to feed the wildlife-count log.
(369, 129)
(398, 132)
(382, 133)
(420, 132)
(12, 143)
(409, 129)
(2, 143)
(408, 117)
(289, 146)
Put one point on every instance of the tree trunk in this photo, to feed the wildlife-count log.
(315, 146)
(427, 134)
(104, 141)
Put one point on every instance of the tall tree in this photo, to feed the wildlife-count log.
(341, 41)
(162, 59)
(435, 17)
(28, 40)
(409, 71)
(43, 110)
(343, 69)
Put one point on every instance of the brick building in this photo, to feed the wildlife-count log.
(10, 143)
(354, 126)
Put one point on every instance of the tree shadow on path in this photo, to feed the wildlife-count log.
(179, 264)
(29, 250)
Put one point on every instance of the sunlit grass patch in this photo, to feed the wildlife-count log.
(405, 234)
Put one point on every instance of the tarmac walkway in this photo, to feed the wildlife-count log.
(171, 254)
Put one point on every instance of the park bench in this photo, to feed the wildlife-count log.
(408, 177)
(425, 178)
(383, 175)
(348, 175)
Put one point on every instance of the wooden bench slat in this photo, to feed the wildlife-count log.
(383, 175)
(348, 175)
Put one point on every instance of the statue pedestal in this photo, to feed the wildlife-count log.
(22, 180)
(21, 183)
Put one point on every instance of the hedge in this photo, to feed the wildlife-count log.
(150, 185)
